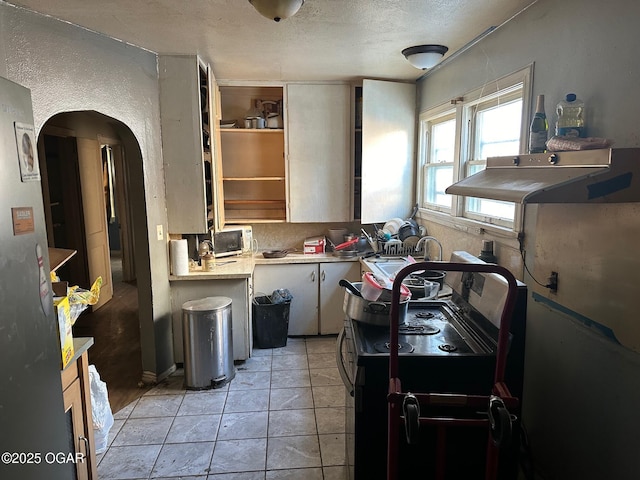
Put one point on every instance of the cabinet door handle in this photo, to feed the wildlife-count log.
(313, 276)
(323, 276)
(86, 444)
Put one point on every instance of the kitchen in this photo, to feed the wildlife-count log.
(581, 436)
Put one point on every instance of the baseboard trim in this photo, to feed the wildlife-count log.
(150, 378)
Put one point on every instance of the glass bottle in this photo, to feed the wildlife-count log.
(539, 128)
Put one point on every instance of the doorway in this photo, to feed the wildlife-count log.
(86, 185)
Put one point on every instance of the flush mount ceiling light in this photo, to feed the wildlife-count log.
(424, 56)
(277, 9)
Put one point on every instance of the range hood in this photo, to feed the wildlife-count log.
(588, 176)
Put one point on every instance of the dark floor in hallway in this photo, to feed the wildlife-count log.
(116, 351)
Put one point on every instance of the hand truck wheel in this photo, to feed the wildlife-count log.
(411, 411)
(500, 421)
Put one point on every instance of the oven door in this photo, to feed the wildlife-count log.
(347, 366)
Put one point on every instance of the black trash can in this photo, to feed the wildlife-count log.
(270, 322)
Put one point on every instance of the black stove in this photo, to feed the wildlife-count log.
(447, 346)
(431, 327)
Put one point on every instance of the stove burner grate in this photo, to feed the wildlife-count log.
(418, 329)
(384, 347)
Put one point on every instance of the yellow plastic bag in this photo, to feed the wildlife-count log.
(80, 299)
(80, 296)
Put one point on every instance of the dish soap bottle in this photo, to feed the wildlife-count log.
(571, 115)
(539, 129)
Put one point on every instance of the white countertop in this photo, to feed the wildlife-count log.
(303, 258)
(242, 266)
(238, 268)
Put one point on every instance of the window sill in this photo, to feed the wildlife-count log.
(471, 227)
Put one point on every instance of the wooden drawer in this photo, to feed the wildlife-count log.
(69, 374)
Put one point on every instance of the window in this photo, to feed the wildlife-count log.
(456, 139)
(440, 161)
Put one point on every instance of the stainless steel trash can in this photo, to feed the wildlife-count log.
(208, 343)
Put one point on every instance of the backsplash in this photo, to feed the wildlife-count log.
(279, 236)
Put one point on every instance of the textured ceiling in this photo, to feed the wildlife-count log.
(325, 40)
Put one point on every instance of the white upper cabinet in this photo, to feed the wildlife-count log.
(319, 158)
(388, 150)
(186, 120)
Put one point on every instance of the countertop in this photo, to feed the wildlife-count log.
(302, 258)
(239, 267)
(242, 266)
(80, 345)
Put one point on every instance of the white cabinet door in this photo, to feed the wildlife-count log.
(181, 79)
(388, 146)
(319, 143)
(332, 295)
(302, 281)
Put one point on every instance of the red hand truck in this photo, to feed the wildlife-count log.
(405, 406)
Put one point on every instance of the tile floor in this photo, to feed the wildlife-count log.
(281, 417)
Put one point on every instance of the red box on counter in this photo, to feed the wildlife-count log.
(314, 245)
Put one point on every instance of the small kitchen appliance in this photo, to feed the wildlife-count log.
(237, 240)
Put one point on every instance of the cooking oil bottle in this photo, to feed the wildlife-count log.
(571, 115)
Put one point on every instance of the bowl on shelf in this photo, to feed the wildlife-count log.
(227, 123)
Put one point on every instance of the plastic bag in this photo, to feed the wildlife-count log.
(80, 299)
(282, 295)
(100, 410)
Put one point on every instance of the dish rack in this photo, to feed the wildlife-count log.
(395, 249)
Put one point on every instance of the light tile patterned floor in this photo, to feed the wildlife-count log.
(281, 417)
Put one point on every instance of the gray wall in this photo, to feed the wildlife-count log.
(581, 390)
(71, 69)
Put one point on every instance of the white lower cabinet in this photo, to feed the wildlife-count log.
(331, 296)
(316, 307)
(237, 289)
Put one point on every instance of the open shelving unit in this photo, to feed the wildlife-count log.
(357, 155)
(253, 163)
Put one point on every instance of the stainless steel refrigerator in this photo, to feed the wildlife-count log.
(32, 419)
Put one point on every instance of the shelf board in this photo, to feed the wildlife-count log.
(59, 256)
(253, 179)
(244, 221)
(252, 130)
(254, 202)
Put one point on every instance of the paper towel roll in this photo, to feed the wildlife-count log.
(179, 251)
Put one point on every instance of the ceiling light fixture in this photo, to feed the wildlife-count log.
(424, 57)
(277, 9)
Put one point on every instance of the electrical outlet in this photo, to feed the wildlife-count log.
(160, 232)
(553, 282)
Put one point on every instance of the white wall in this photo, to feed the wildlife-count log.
(71, 69)
(581, 389)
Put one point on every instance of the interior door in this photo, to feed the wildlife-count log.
(124, 214)
(62, 200)
(388, 150)
(95, 216)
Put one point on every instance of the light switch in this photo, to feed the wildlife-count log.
(160, 232)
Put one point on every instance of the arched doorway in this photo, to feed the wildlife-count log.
(88, 177)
